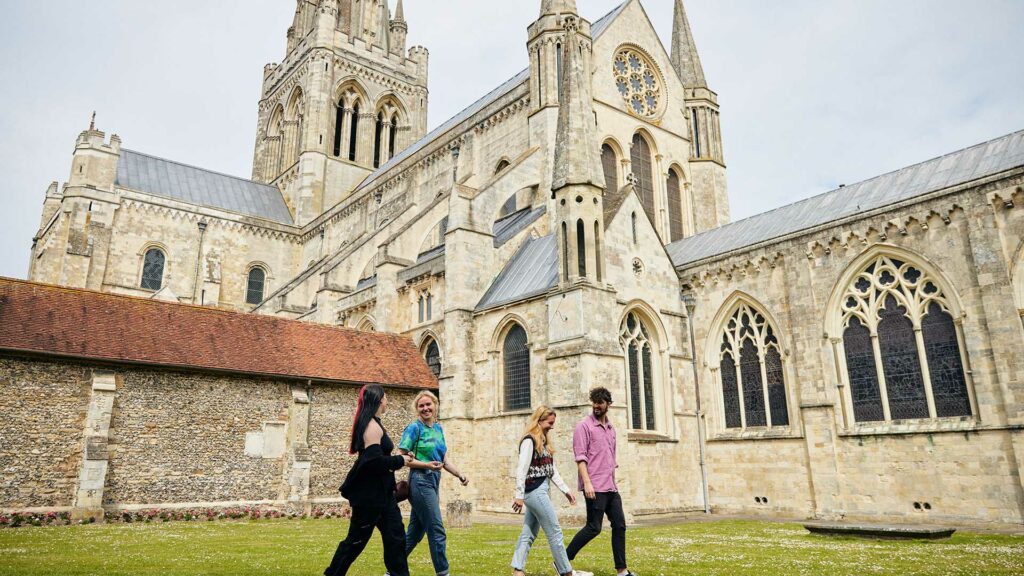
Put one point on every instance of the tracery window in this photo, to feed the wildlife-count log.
(153, 269)
(611, 169)
(640, 155)
(902, 346)
(752, 375)
(432, 353)
(636, 342)
(255, 285)
(516, 366)
(638, 82)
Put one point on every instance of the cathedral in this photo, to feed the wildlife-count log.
(852, 355)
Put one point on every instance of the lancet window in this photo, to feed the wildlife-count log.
(255, 285)
(515, 359)
(902, 346)
(642, 171)
(432, 354)
(752, 375)
(610, 164)
(153, 269)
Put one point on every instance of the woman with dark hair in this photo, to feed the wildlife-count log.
(370, 489)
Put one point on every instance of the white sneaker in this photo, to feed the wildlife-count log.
(581, 573)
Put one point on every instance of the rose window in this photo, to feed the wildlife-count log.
(638, 81)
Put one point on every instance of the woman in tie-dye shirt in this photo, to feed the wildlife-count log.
(424, 440)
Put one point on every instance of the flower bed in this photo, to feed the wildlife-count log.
(19, 519)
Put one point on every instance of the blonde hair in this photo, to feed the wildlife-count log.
(432, 396)
(533, 429)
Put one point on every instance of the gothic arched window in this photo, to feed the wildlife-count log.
(353, 134)
(501, 166)
(153, 269)
(638, 347)
(515, 359)
(378, 134)
(675, 206)
(895, 312)
(339, 126)
(610, 163)
(255, 285)
(751, 372)
(432, 354)
(640, 155)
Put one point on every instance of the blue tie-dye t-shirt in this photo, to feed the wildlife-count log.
(426, 444)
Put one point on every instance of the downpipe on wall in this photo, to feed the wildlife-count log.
(690, 302)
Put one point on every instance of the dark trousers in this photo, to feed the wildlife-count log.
(610, 504)
(388, 519)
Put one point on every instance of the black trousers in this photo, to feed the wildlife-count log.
(610, 504)
(388, 519)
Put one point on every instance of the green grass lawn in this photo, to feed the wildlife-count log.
(286, 547)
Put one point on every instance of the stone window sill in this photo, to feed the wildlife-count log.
(648, 438)
(926, 426)
(756, 434)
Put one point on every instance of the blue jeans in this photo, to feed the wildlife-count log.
(426, 518)
(540, 513)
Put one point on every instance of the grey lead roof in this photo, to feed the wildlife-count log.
(596, 29)
(963, 166)
(506, 228)
(177, 181)
(531, 272)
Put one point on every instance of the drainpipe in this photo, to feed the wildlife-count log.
(691, 304)
(199, 260)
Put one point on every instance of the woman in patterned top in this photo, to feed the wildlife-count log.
(424, 441)
(534, 475)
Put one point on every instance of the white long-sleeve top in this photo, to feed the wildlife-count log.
(523, 469)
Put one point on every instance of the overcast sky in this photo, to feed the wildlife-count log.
(813, 93)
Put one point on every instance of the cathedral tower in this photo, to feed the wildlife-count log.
(346, 98)
(707, 160)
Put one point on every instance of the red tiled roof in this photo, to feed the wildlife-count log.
(45, 319)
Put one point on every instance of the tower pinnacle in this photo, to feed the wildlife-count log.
(557, 7)
(399, 12)
(576, 158)
(684, 51)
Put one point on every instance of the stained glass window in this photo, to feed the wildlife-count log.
(433, 356)
(641, 376)
(675, 206)
(751, 369)
(949, 387)
(893, 300)
(638, 81)
(153, 269)
(640, 155)
(516, 360)
(611, 169)
(255, 286)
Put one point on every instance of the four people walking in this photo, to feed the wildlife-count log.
(370, 486)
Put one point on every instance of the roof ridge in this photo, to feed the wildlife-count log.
(195, 307)
(194, 167)
(858, 183)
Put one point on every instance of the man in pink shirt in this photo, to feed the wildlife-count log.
(593, 442)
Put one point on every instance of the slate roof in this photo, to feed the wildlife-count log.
(596, 29)
(66, 322)
(533, 270)
(959, 167)
(177, 181)
(506, 228)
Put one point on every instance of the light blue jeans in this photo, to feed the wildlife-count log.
(426, 518)
(540, 513)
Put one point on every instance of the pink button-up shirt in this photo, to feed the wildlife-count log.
(594, 443)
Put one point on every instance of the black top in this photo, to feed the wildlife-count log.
(372, 478)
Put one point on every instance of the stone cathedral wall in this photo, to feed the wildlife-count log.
(827, 465)
(175, 439)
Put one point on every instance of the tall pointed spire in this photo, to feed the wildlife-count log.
(684, 51)
(399, 12)
(557, 7)
(576, 149)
